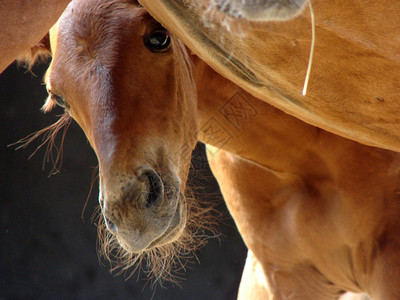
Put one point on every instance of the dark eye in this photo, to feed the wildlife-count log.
(58, 99)
(158, 40)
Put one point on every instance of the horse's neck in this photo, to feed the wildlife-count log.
(232, 119)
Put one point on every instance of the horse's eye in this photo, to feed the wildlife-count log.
(58, 99)
(158, 40)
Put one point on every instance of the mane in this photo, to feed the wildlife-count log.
(36, 54)
(185, 63)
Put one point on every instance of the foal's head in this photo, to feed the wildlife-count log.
(127, 82)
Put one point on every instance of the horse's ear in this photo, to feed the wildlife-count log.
(38, 53)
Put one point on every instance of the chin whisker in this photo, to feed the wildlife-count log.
(167, 263)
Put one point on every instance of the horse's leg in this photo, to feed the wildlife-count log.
(246, 188)
(385, 280)
(253, 284)
(300, 283)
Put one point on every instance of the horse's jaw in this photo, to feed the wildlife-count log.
(135, 242)
(175, 229)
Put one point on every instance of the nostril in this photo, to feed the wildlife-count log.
(155, 190)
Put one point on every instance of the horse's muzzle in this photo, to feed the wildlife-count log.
(144, 211)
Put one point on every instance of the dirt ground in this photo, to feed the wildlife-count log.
(48, 251)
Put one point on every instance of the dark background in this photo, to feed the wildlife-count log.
(47, 251)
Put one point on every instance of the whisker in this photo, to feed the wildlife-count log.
(169, 262)
(59, 150)
(49, 134)
(95, 176)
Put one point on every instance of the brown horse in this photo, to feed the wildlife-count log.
(353, 89)
(319, 213)
(23, 24)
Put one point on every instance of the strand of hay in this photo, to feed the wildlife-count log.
(311, 50)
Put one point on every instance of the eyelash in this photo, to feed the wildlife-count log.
(58, 99)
